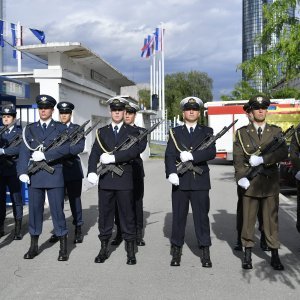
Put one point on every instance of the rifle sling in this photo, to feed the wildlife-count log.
(242, 144)
(100, 144)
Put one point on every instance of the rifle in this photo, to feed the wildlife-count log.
(183, 167)
(127, 144)
(4, 128)
(13, 143)
(276, 143)
(63, 138)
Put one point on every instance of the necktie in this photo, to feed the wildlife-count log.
(191, 130)
(259, 131)
(44, 126)
(116, 133)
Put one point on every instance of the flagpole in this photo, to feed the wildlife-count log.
(163, 78)
(19, 43)
(151, 88)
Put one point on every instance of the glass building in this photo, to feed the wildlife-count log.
(253, 23)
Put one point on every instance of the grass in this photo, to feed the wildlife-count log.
(157, 150)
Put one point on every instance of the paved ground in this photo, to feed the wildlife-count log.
(152, 277)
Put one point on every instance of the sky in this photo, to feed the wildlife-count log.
(200, 35)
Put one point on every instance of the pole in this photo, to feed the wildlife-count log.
(19, 43)
(163, 80)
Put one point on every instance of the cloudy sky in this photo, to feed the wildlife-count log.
(200, 35)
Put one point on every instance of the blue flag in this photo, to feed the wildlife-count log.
(14, 38)
(39, 34)
(1, 33)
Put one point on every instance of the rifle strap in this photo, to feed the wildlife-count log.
(100, 144)
(38, 148)
(242, 144)
(174, 140)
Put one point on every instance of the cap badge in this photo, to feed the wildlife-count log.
(44, 98)
(64, 104)
(6, 110)
(192, 100)
(259, 99)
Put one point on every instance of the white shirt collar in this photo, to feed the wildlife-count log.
(262, 126)
(113, 124)
(46, 122)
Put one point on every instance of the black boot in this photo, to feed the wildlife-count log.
(176, 256)
(139, 238)
(247, 261)
(131, 260)
(18, 225)
(205, 257)
(263, 244)
(118, 238)
(34, 248)
(53, 239)
(2, 231)
(238, 246)
(275, 260)
(78, 235)
(63, 251)
(103, 254)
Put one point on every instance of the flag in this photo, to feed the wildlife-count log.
(144, 52)
(158, 39)
(1, 33)
(14, 38)
(148, 47)
(39, 34)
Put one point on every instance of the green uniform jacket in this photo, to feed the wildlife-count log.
(295, 150)
(247, 143)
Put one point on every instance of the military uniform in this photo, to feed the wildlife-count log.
(8, 174)
(36, 134)
(264, 187)
(113, 189)
(295, 158)
(191, 187)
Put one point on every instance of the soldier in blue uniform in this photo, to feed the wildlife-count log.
(8, 172)
(112, 188)
(189, 187)
(73, 173)
(138, 182)
(36, 136)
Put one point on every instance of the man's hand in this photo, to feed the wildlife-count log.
(174, 179)
(297, 176)
(92, 178)
(256, 160)
(244, 183)
(38, 156)
(106, 158)
(24, 178)
(186, 156)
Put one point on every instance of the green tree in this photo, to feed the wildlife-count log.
(181, 85)
(144, 98)
(284, 54)
(242, 91)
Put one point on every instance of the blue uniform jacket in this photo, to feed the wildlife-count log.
(72, 169)
(190, 180)
(124, 158)
(8, 161)
(35, 135)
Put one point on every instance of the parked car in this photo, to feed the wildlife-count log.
(287, 178)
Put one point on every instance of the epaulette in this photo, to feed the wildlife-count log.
(273, 125)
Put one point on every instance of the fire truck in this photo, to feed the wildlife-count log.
(281, 112)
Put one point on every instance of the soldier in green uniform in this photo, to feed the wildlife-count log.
(264, 187)
(295, 158)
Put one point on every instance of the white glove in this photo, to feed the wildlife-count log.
(174, 179)
(24, 178)
(92, 178)
(38, 156)
(106, 158)
(1, 151)
(244, 183)
(297, 176)
(256, 160)
(185, 156)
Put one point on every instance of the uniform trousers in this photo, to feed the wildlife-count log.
(270, 207)
(107, 200)
(73, 189)
(200, 206)
(36, 210)
(14, 187)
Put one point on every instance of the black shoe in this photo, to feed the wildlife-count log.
(118, 238)
(247, 261)
(103, 254)
(205, 257)
(238, 246)
(275, 260)
(18, 225)
(298, 226)
(78, 235)
(176, 256)
(63, 251)
(53, 239)
(131, 260)
(263, 244)
(34, 249)
(2, 233)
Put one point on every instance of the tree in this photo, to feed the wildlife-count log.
(284, 54)
(181, 85)
(242, 91)
(144, 98)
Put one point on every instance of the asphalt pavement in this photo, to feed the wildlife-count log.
(153, 277)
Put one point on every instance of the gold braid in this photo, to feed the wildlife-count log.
(100, 144)
(174, 140)
(257, 152)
